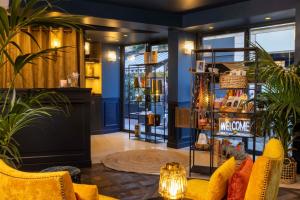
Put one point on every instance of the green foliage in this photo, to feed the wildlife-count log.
(18, 111)
(280, 97)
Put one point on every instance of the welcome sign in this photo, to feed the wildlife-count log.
(235, 125)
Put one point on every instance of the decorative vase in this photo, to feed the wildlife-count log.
(156, 87)
(137, 130)
(157, 120)
(146, 57)
(150, 119)
(154, 56)
(136, 83)
(289, 171)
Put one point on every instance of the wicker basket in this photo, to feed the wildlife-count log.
(289, 171)
(233, 81)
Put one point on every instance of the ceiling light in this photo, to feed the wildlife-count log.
(125, 35)
(268, 18)
(211, 28)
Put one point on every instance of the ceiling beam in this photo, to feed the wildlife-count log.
(245, 10)
(110, 11)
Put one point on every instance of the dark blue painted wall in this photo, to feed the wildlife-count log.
(110, 73)
(179, 64)
(179, 85)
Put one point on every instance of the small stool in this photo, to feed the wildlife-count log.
(74, 172)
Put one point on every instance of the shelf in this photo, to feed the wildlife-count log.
(234, 88)
(202, 169)
(136, 88)
(238, 135)
(92, 77)
(197, 149)
(143, 101)
(148, 64)
(223, 50)
(224, 112)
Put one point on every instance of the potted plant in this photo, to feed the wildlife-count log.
(16, 110)
(280, 98)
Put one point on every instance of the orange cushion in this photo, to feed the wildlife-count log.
(238, 183)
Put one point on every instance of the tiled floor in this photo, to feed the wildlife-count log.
(103, 145)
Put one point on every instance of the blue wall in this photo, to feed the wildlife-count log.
(110, 73)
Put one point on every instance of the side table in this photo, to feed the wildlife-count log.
(75, 172)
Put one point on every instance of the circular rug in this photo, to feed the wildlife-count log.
(146, 161)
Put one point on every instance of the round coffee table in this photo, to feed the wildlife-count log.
(74, 172)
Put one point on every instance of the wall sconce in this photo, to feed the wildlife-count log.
(55, 43)
(87, 48)
(172, 181)
(111, 56)
(188, 47)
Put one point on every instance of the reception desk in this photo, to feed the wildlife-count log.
(61, 139)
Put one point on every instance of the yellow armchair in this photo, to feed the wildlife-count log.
(17, 185)
(263, 183)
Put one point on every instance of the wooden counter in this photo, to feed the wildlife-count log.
(61, 139)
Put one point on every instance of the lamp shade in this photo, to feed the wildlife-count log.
(156, 87)
(172, 182)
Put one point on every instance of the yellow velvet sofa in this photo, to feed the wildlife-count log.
(17, 185)
(263, 183)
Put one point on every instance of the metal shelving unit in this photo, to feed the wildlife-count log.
(214, 114)
(146, 105)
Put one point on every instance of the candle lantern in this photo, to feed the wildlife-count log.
(173, 181)
(156, 88)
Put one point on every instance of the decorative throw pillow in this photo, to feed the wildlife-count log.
(238, 183)
(217, 187)
(274, 149)
(86, 192)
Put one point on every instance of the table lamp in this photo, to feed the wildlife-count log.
(173, 181)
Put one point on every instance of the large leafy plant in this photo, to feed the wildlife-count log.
(18, 111)
(280, 97)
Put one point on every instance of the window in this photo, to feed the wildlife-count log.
(278, 40)
(233, 40)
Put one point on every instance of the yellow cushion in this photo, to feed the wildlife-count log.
(266, 172)
(102, 197)
(217, 186)
(264, 180)
(86, 192)
(274, 149)
(89, 192)
(196, 189)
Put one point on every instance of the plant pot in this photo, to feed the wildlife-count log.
(289, 171)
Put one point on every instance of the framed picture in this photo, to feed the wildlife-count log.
(236, 102)
(200, 66)
(229, 101)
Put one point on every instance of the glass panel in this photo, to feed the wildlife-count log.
(133, 55)
(278, 40)
(233, 40)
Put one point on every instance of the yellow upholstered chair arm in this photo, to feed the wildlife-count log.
(19, 185)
